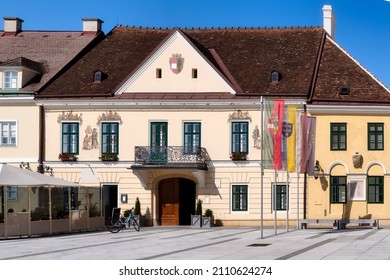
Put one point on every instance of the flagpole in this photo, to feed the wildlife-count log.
(262, 166)
(287, 200)
(297, 200)
(275, 208)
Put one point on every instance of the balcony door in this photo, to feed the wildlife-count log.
(158, 142)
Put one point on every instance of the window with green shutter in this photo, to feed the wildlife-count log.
(338, 189)
(338, 136)
(192, 137)
(375, 136)
(110, 138)
(239, 137)
(375, 189)
(70, 138)
(239, 197)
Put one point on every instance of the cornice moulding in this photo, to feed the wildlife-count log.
(348, 110)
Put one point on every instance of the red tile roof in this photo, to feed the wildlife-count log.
(311, 65)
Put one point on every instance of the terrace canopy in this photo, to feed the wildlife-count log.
(32, 203)
(14, 176)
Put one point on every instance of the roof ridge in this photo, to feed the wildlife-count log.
(217, 28)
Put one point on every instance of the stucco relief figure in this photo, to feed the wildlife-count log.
(91, 139)
(87, 143)
(256, 138)
(95, 143)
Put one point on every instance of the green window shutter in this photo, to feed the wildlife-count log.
(110, 138)
(239, 137)
(70, 138)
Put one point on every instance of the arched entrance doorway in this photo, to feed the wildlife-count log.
(176, 201)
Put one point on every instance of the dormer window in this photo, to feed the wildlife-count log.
(97, 77)
(344, 91)
(10, 79)
(275, 76)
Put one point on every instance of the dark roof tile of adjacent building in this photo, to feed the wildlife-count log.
(52, 50)
(338, 71)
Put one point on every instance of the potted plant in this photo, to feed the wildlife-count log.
(238, 156)
(208, 218)
(196, 220)
(109, 157)
(67, 157)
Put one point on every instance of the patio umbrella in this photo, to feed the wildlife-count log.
(14, 176)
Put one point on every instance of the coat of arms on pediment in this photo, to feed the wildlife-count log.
(176, 62)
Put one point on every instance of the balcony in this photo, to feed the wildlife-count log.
(170, 157)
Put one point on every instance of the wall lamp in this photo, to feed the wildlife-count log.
(317, 170)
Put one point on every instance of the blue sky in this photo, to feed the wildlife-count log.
(362, 26)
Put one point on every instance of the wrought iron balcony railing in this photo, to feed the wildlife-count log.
(173, 156)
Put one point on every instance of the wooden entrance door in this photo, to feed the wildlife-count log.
(169, 202)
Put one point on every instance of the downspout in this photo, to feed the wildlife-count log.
(41, 151)
(309, 100)
(305, 184)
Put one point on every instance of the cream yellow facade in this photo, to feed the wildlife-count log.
(213, 186)
(26, 118)
(341, 163)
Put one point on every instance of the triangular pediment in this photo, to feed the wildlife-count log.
(176, 65)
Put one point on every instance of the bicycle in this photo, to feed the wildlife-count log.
(117, 222)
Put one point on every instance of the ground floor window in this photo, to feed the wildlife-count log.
(338, 189)
(239, 197)
(375, 189)
(280, 197)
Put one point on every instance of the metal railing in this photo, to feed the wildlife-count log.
(170, 155)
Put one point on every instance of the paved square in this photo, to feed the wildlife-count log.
(218, 243)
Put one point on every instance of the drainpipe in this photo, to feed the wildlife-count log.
(41, 151)
(304, 183)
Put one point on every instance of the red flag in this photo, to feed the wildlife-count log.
(278, 137)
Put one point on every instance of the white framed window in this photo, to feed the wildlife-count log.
(8, 132)
(10, 80)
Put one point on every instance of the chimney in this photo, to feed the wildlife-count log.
(12, 25)
(91, 26)
(329, 20)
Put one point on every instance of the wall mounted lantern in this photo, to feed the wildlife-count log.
(317, 170)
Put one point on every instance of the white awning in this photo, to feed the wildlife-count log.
(14, 176)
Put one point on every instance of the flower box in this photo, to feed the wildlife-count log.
(67, 157)
(109, 157)
(238, 156)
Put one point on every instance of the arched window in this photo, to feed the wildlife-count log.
(275, 76)
(97, 77)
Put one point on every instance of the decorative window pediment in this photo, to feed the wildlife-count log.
(110, 116)
(70, 116)
(240, 115)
